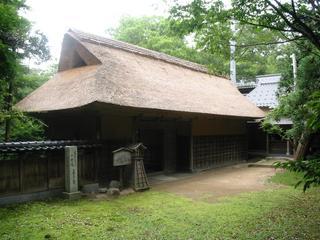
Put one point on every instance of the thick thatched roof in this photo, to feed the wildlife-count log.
(95, 69)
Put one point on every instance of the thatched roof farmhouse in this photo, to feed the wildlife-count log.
(118, 93)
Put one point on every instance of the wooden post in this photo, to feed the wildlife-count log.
(121, 169)
(288, 148)
(267, 144)
(169, 144)
(21, 175)
(191, 148)
(98, 128)
(96, 151)
(48, 171)
(191, 153)
(134, 137)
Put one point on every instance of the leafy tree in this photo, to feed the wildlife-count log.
(294, 97)
(310, 167)
(210, 22)
(156, 33)
(17, 42)
(23, 126)
(295, 19)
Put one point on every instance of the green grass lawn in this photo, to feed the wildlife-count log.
(282, 213)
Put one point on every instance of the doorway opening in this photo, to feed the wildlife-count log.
(153, 140)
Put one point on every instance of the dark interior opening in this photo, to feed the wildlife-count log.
(183, 153)
(153, 158)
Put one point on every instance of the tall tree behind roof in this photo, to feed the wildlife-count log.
(156, 33)
(210, 22)
(17, 42)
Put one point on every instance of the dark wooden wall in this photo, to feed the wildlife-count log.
(215, 151)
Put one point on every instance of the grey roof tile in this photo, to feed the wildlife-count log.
(264, 95)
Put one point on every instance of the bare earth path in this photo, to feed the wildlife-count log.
(214, 184)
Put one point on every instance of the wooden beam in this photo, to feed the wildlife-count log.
(267, 144)
(191, 148)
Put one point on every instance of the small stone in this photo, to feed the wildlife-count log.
(103, 190)
(113, 192)
(90, 188)
(127, 191)
(114, 184)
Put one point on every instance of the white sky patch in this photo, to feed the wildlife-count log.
(54, 18)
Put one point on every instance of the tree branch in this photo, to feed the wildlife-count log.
(303, 29)
(293, 7)
(269, 43)
(266, 26)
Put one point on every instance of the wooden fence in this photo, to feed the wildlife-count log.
(36, 171)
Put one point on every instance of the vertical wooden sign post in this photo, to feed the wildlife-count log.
(71, 173)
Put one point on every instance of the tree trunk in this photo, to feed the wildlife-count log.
(8, 108)
(302, 147)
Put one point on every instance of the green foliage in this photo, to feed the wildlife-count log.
(24, 127)
(286, 177)
(299, 105)
(210, 22)
(273, 214)
(17, 42)
(314, 106)
(309, 169)
(156, 33)
(302, 106)
(295, 20)
(32, 79)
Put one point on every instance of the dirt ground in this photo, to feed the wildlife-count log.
(217, 183)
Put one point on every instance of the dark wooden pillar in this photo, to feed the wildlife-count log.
(267, 144)
(97, 152)
(170, 149)
(191, 153)
(191, 148)
(98, 128)
(135, 130)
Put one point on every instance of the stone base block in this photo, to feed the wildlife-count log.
(71, 196)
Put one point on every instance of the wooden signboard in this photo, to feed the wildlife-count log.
(121, 158)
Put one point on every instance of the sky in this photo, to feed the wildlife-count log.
(55, 17)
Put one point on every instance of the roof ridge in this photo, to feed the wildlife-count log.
(88, 37)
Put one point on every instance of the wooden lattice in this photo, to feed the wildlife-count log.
(140, 180)
(212, 151)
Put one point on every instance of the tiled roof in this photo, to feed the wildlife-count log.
(264, 95)
(44, 145)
